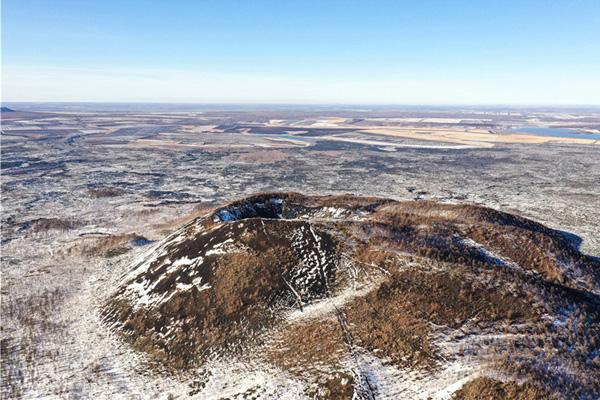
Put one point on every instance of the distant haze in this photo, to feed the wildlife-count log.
(344, 52)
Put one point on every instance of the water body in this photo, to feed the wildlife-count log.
(556, 132)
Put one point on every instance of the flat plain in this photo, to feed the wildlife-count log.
(88, 189)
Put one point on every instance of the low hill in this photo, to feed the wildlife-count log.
(356, 297)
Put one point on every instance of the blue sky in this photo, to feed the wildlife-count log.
(400, 52)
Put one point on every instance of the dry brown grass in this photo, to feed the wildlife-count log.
(395, 318)
(310, 346)
(433, 279)
(106, 246)
(48, 224)
(227, 317)
(247, 289)
(428, 229)
(491, 389)
(561, 357)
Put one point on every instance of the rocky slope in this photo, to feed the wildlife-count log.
(355, 297)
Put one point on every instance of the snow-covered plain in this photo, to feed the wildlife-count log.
(54, 280)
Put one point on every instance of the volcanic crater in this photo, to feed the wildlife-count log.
(369, 297)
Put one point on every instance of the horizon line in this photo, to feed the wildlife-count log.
(283, 103)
